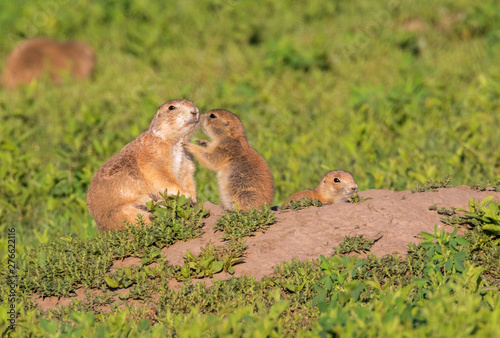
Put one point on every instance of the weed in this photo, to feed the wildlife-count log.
(331, 283)
(356, 244)
(57, 268)
(485, 186)
(485, 214)
(237, 224)
(212, 260)
(432, 185)
(455, 220)
(339, 280)
(480, 187)
(444, 248)
(303, 203)
(446, 212)
(231, 254)
(484, 250)
(357, 199)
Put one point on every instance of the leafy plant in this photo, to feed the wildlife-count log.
(432, 185)
(203, 265)
(356, 244)
(237, 224)
(339, 280)
(59, 267)
(231, 254)
(212, 260)
(358, 199)
(453, 219)
(447, 212)
(177, 208)
(303, 203)
(485, 214)
(485, 252)
(445, 251)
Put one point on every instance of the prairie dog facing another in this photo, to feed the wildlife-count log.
(31, 58)
(152, 163)
(242, 174)
(335, 187)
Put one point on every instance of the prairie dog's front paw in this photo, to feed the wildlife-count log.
(188, 146)
(202, 143)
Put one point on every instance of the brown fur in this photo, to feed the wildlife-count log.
(242, 174)
(328, 191)
(154, 162)
(30, 58)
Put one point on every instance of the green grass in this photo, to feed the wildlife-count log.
(341, 294)
(318, 86)
(321, 87)
(303, 203)
(237, 224)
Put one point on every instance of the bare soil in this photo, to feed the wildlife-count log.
(397, 216)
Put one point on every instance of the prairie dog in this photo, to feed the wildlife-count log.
(336, 186)
(242, 174)
(30, 58)
(152, 163)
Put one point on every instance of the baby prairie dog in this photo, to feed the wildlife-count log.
(152, 163)
(31, 58)
(242, 174)
(336, 186)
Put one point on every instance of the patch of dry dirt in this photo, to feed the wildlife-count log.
(399, 216)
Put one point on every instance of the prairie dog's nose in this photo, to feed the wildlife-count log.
(355, 188)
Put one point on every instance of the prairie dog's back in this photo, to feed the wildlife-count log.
(29, 59)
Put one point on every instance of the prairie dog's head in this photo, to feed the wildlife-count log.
(338, 185)
(220, 123)
(175, 119)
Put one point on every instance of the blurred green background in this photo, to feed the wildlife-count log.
(397, 92)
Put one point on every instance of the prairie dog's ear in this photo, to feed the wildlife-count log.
(227, 123)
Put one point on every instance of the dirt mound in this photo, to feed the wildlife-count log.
(397, 216)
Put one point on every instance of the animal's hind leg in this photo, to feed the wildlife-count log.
(128, 213)
(132, 212)
(248, 199)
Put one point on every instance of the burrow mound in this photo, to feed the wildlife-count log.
(397, 216)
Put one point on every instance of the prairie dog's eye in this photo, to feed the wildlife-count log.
(336, 180)
(212, 116)
(171, 108)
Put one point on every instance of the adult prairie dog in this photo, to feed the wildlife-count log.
(31, 58)
(336, 186)
(152, 163)
(242, 174)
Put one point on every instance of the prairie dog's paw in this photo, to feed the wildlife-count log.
(202, 143)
